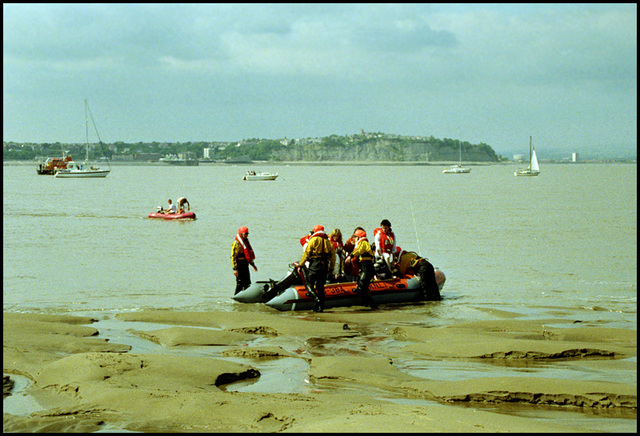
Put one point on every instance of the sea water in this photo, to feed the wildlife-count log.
(560, 244)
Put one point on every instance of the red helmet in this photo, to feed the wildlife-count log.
(243, 229)
(318, 228)
(360, 233)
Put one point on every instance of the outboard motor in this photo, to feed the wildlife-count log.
(293, 278)
(382, 270)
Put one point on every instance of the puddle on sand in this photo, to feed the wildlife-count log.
(19, 403)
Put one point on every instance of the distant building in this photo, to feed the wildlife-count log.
(574, 157)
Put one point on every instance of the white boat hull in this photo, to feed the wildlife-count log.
(526, 172)
(78, 174)
(256, 177)
(456, 170)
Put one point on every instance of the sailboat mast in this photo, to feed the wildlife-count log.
(530, 151)
(86, 131)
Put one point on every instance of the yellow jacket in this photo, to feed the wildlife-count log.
(363, 251)
(319, 247)
(237, 253)
(409, 259)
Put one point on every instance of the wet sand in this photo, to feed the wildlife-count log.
(201, 372)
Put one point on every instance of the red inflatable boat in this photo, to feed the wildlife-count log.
(173, 216)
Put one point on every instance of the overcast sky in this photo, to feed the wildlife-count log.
(564, 73)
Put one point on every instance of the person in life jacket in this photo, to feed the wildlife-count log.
(385, 242)
(305, 240)
(410, 262)
(242, 256)
(351, 267)
(336, 239)
(364, 253)
(320, 254)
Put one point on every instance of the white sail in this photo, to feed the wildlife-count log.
(534, 161)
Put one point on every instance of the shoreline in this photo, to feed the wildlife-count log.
(335, 163)
(165, 370)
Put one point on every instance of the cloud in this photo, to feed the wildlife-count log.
(405, 68)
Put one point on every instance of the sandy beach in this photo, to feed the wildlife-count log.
(340, 371)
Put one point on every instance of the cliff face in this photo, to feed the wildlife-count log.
(386, 149)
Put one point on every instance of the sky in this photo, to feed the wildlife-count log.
(565, 74)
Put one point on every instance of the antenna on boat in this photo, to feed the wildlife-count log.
(415, 228)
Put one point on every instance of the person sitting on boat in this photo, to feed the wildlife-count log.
(385, 242)
(181, 202)
(364, 253)
(410, 262)
(172, 208)
(320, 253)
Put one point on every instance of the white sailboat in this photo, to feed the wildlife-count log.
(84, 170)
(457, 169)
(533, 169)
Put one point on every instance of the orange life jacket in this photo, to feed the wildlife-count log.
(246, 247)
(386, 240)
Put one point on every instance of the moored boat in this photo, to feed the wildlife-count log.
(84, 170)
(252, 175)
(173, 216)
(534, 168)
(457, 169)
(52, 164)
(74, 170)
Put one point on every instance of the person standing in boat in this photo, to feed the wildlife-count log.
(385, 242)
(172, 208)
(242, 256)
(320, 253)
(305, 240)
(351, 267)
(336, 239)
(364, 253)
(181, 202)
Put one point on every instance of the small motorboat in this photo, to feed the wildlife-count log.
(252, 175)
(173, 216)
(291, 293)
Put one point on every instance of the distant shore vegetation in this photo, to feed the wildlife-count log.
(373, 147)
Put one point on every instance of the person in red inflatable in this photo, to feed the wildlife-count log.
(305, 240)
(242, 256)
(385, 242)
(320, 253)
(336, 239)
(351, 267)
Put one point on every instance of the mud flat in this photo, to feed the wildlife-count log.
(380, 371)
